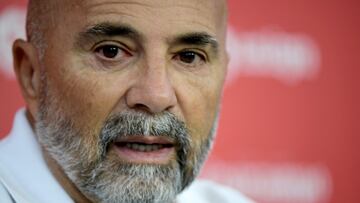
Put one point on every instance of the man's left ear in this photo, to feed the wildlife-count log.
(27, 70)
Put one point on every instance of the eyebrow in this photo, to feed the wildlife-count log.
(107, 30)
(198, 39)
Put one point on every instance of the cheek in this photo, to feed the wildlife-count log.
(199, 103)
(85, 96)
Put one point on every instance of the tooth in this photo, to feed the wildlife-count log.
(142, 148)
(148, 148)
(155, 147)
(135, 146)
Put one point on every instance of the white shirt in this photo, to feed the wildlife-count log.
(25, 177)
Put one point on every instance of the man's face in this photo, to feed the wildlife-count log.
(130, 94)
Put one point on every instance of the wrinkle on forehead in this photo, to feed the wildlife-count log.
(160, 3)
(192, 11)
(52, 8)
(44, 15)
(218, 7)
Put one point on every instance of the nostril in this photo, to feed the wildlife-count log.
(141, 107)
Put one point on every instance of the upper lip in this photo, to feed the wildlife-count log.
(147, 140)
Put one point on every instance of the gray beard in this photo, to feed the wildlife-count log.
(102, 177)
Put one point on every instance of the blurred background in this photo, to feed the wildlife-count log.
(289, 129)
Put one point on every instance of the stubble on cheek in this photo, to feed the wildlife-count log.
(70, 99)
(202, 128)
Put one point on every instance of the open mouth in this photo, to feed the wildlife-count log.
(145, 149)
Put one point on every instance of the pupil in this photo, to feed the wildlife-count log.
(187, 57)
(110, 51)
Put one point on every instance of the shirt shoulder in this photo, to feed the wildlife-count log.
(24, 175)
(205, 191)
(5, 196)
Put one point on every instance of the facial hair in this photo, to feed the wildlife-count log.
(85, 157)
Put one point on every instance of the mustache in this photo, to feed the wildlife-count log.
(135, 123)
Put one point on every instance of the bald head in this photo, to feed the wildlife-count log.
(41, 16)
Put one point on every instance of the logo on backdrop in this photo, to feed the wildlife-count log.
(12, 26)
(288, 57)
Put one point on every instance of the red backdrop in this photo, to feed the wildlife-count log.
(288, 130)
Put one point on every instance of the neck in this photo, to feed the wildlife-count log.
(64, 180)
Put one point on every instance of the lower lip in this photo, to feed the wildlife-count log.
(161, 156)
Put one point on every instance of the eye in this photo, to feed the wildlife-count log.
(191, 58)
(187, 57)
(110, 52)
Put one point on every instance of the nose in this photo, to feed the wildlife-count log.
(152, 92)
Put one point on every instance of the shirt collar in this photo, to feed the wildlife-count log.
(23, 170)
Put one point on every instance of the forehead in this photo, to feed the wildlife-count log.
(173, 7)
(151, 15)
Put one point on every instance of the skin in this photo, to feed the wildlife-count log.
(149, 75)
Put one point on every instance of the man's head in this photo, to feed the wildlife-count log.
(124, 94)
